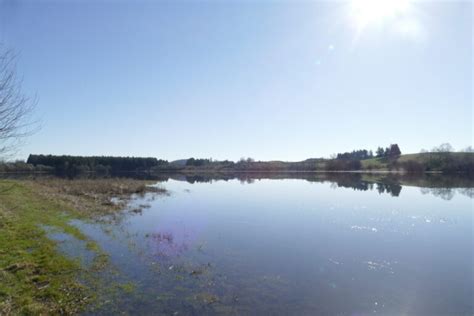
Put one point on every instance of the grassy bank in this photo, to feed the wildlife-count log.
(35, 278)
(423, 162)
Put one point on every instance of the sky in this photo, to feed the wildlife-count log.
(285, 80)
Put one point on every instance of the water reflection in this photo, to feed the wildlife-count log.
(292, 244)
(443, 186)
(439, 185)
(448, 193)
(357, 183)
(295, 244)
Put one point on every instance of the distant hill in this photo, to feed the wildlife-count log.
(179, 163)
(424, 162)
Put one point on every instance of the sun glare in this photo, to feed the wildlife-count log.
(366, 12)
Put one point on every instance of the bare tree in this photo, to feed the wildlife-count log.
(443, 148)
(15, 107)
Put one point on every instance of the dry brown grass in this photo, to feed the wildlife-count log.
(94, 196)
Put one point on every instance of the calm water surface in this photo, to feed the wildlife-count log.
(293, 247)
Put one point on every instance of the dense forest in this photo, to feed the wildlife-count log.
(100, 164)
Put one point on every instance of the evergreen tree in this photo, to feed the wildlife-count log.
(394, 151)
(380, 152)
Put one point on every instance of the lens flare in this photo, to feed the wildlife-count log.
(366, 12)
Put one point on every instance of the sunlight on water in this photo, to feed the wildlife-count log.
(295, 247)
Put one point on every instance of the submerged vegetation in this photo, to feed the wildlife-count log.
(35, 278)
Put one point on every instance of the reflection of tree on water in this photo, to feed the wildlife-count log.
(469, 192)
(444, 186)
(345, 180)
(390, 188)
(247, 181)
(392, 184)
(448, 193)
(356, 182)
(209, 178)
(444, 193)
(440, 185)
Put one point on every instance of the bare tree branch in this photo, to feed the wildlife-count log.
(15, 107)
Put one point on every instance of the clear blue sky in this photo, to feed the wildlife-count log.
(271, 80)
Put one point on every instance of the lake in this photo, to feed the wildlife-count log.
(337, 245)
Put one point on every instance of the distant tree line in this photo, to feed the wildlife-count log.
(388, 159)
(356, 155)
(100, 164)
(446, 148)
(393, 151)
(209, 163)
(198, 162)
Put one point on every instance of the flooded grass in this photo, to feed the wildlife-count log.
(36, 278)
(94, 197)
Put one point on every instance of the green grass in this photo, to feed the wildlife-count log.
(382, 164)
(375, 164)
(423, 157)
(37, 279)
(34, 277)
